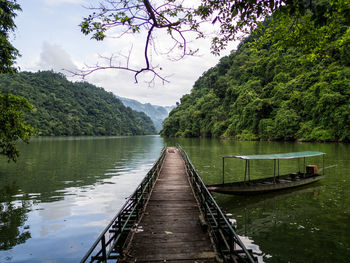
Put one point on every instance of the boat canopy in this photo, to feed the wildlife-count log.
(278, 156)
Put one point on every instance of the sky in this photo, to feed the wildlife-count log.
(48, 37)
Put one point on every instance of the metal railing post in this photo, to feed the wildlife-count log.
(217, 218)
(137, 205)
(119, 223)
(103, 243)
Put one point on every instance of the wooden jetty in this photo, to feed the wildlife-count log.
(171, 217)
(170, 230)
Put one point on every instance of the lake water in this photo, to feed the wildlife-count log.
(63, 191)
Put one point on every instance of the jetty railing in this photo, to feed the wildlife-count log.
(227, 241)
(109, 244)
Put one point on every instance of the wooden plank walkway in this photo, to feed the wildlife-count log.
(169, 229)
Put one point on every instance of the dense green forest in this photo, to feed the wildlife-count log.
(271, 92)
(62, 107)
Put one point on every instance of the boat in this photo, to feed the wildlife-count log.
(304, 175)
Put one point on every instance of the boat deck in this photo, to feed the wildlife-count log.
(169, 229)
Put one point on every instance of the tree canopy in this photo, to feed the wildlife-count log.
(62, 107)
(8, 53)
(273, 92)
(12, 108)
(12, 125)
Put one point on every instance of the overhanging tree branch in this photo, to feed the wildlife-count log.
(181, 21)
(141, 17)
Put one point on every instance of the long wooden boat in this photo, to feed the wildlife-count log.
(305, 175)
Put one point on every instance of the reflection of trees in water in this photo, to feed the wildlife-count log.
(60, 164)
(12, 218)
(300, 225)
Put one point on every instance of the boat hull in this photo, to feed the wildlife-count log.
(265, 185)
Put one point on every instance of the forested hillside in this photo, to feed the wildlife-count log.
(62, 107)
(155, 112)
(273, 92)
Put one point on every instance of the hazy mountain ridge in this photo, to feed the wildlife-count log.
(155, 112)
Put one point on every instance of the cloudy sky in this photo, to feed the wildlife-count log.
(48, 37)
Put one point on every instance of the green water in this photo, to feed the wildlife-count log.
(63, 191)
(308, 224)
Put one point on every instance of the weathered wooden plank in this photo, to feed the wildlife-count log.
(168, 203)
(179, 261)
(182, 261)
(180, 214)
(177, 256)
(169, 229)
(175, 244)
(176, 237)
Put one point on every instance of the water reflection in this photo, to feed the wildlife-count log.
(305, 220)
(12, 218)
(307, 224)
(250, 245)
(69, 189)
(63, 191)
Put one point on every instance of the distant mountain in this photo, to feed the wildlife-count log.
(169, 108)
(155, 112)
(66, 108)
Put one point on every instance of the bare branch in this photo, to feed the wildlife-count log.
(144, 18)
(109, 63)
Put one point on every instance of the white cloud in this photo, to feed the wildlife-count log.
(182, 74)
(56, 58)
(64, 47)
